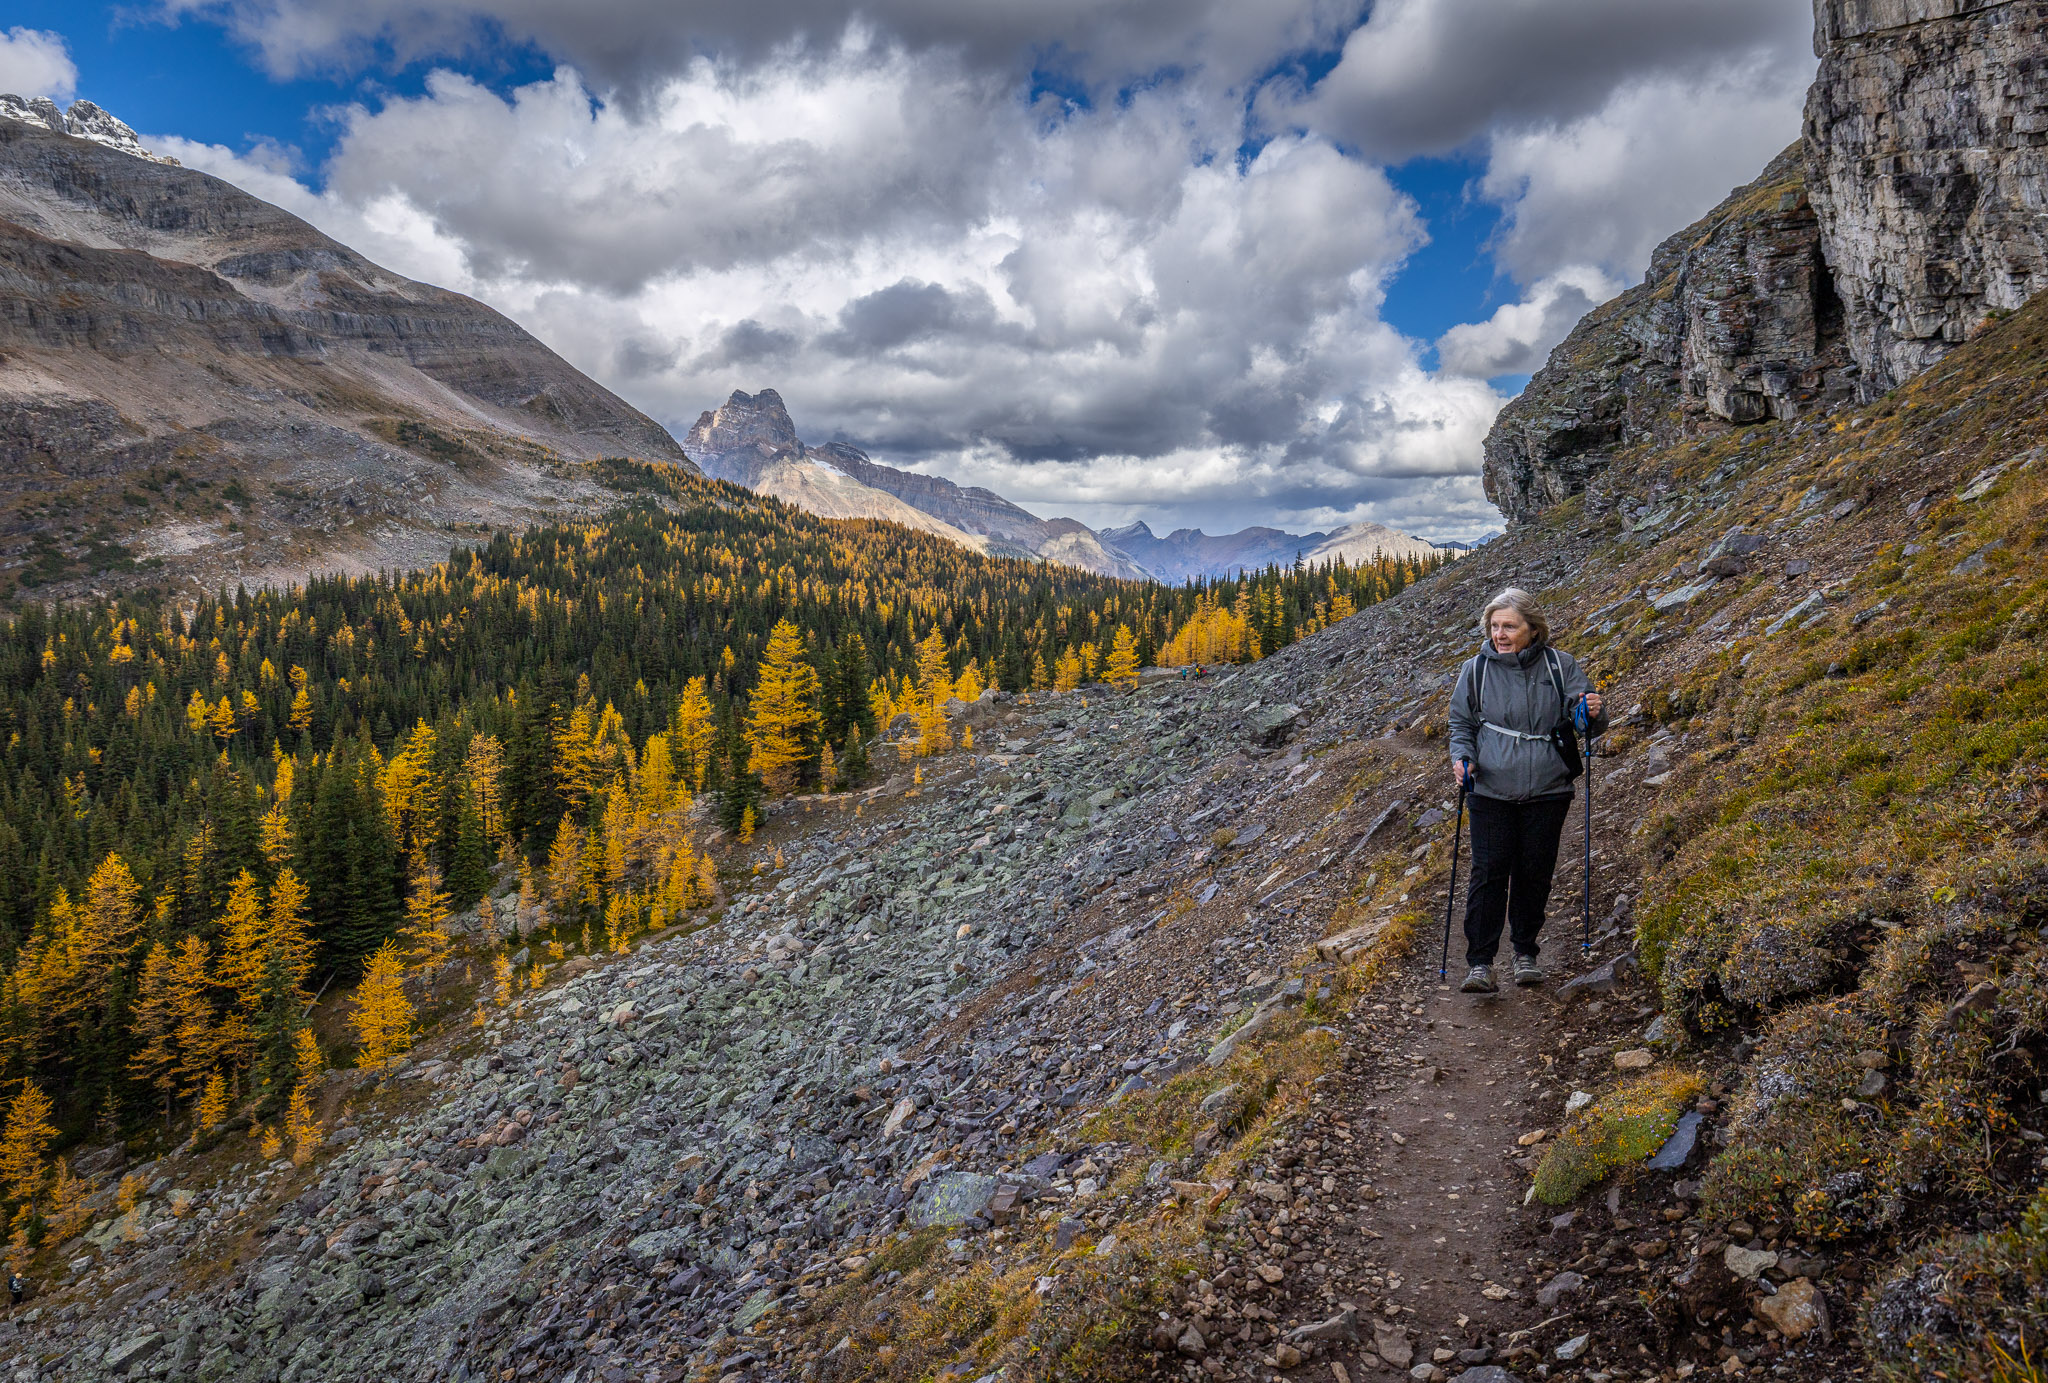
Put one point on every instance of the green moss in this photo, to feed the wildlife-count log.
(1619, 1132)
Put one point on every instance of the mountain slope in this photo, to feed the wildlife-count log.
(750, 440)
(1115, 1049)
(193, 375)
(983, 511)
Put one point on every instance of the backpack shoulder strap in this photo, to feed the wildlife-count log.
(1478, 692)
(1557, 680)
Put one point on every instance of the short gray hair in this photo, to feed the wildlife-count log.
(1522, 603)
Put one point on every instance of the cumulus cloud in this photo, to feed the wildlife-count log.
(1584, 202)
(798, 158)
(36, 62)
(1085, 309)
(1161, 299)
(1519, 334)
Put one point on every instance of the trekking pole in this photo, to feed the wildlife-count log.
(1464, 787)
(1584, 720)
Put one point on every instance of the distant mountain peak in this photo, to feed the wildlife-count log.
(83, 121)
(741, 437)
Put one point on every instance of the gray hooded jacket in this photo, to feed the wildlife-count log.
(1520, 696)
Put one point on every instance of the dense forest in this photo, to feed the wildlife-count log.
(206, 813)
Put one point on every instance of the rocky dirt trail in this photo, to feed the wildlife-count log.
(1431, 1129)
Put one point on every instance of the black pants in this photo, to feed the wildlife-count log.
(1514, 855)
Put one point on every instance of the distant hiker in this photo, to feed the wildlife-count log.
(16, 1288)
(1511, 720)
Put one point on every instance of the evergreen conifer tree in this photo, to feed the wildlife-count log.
(469, 867)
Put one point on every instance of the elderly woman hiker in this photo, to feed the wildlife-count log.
(1511, 715)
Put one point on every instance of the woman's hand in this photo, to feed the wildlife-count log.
(1596, 704)
(1461, 772)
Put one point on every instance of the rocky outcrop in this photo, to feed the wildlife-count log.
(245, 398)
(741, 439)
(1737, 321)
(1927, 154)
(1914, 209)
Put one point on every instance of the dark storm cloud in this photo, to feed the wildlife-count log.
(630, 45)
(749, 343)
(908, 311)
(1428, 76)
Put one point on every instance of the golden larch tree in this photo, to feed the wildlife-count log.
(565, 869)
(28, 1132)
(307, 1064)
(213, 1102)
(192, 1010)
(300, 717)
(154, 1023)
(1066, 673)
(1123, 658)
(426, 917)
(970, 686)
(382, 1017)
(68, 1211)
(934, 688)
(483, 773)
(412, 797)
(290, 932)
(690, 738)
(113, 921)
(301, 1127)
(783, 717)
(244, 938)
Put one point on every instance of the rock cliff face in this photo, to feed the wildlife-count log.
(1737, 321)
(1915, 207)
(1927, 153)
(209, 381)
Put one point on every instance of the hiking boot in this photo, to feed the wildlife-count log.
(1527, 971)
(1480, 981)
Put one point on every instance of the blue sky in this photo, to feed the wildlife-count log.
(1187, 260)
